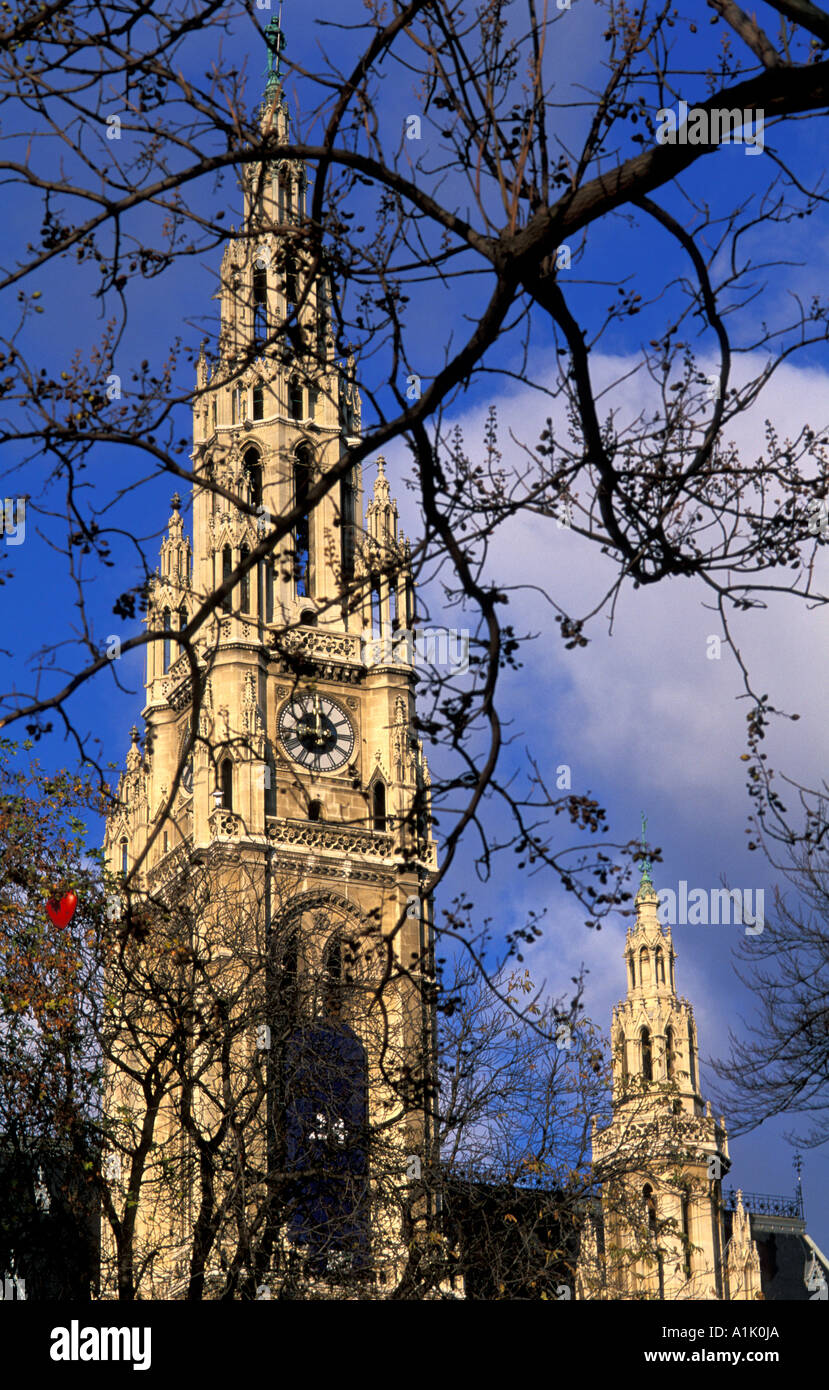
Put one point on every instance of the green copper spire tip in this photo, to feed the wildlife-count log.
(275, 40)
(646, 863)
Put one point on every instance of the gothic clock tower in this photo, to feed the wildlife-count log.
(300, 786)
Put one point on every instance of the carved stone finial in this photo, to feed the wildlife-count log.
(382, 492)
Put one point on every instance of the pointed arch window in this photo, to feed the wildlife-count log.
(295, 398)
(124, 855)
(167, 624)
(348, 510)
(686, 1232)
(227, 570)
(669, 1051)
(270, 782)
(260, 302)
(226, 784)
(286, 198)
(422, 821)
(378, 806)
(286, 981)
(290, 280)
(332, 981)
(253, 471)
(259, 401)
(376, 608)
(346, 412)
(244, 554)
(692, 1071)
(632, 973)
(660, 966)
(644, 967)
(647, 1054)
(322, 318)
(650, 1208)
(268, 591)
(303, 557)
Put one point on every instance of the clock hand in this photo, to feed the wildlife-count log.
(319, 736)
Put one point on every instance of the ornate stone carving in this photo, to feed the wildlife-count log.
(333, 839)
(315, 643)
(206, 711)
(252, 721)
(182, 696)
(169, 867)
(404, 747)
(326, 902)
(224, 825)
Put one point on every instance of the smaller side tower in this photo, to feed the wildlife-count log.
(662, 1158)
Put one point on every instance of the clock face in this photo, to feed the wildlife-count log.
(316, 732)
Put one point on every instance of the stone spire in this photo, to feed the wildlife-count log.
(389, 604)
(381, 513)
(175, 550)
(654, 1031)
(649, 948)
(741, 1257)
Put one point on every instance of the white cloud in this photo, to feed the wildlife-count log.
(645, 719)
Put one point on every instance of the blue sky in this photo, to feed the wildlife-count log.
(641, 716)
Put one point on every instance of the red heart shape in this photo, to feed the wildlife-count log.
(62, 914)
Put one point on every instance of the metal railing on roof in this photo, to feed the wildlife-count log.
(765, 1204)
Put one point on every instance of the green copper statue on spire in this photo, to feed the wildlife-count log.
(646, 863)
(275, 40)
